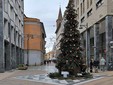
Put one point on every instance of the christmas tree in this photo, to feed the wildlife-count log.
(70, 59)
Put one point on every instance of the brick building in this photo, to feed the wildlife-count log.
(34, 41)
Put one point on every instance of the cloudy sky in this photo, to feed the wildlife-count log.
(47, 12)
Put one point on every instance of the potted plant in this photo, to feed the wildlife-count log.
(22, 67)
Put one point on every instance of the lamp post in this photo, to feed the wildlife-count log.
(110, 60)
(87, 48)
(95, 48)
(28, 37)
(111, 47)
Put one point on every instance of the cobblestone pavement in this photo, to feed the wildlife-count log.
(38, 76)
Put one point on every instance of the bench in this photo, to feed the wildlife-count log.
(65, 73)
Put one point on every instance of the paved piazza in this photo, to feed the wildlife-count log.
(45, 79)
(38, 76)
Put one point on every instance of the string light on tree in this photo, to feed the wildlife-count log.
(70, 43)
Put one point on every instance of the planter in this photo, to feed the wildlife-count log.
(23, 68)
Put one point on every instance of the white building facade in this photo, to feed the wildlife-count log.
(59, 31)
(58, 37)
(11, 34)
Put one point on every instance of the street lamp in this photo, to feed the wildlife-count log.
(27, 49)
(95, 56)
(111, 47)
(87, 49)
(110, 59)
(28, 36)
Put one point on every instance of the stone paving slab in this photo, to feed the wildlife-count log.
(45, 79)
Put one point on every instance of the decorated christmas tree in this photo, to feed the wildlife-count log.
(70, 59)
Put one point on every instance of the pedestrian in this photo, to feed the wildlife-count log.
(102, 64)
(47, 62)
(91, 66)
(83, 65)
(96, 65)
(44, 62)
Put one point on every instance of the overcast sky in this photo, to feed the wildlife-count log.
(47, 12)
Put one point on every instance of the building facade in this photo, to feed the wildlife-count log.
(96, 19)
(54, 49)
(11, 31)
(59, 31)
(34, 41)
(49, 56)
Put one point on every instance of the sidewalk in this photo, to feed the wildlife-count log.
(7, 74)
(107, 73)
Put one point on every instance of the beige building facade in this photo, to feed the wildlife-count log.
(49, 55)
(96, 20)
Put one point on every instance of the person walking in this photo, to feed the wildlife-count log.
(102, 64)
(96, 65)
(91, 66)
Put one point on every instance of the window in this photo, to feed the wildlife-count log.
(77, 2)
(22, 1)
(83, 6)
(14, 35)
(8, 29)
(11, 12)
(89, 13)
(5, 24)
(99, 3)
(16, 19)
(18, 39)
(82, 20)
(6, 5)
(90, 2)
(43, 35)
(87, 4)
(78, 13)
